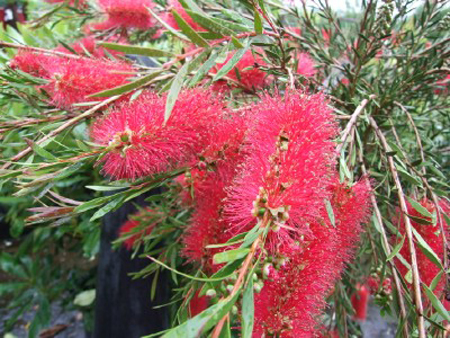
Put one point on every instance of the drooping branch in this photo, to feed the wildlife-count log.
(60, 129)
(408, 228)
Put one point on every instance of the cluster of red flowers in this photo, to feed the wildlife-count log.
(275, 158)
(431, 232)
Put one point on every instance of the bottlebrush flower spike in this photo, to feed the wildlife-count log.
(294, 294)
(126, 14)
(432, 235)
(208, 188)
(140, 224)
(289, 165)
(140, 144)
(305, 65)
(33, 63)
(72, 80)
(250, 75)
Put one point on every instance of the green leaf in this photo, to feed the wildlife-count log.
(167, 26)
(396, 249)
(42, 152)
(231, 63)
(189, 31)
(127, 87)
(408, 177)
(421, 209)
(258, 23)
(209, 23)
(113, 205)
(204, 321)
(343, 169)
(230, 255)
(175, 89)
(204, 69)
(426, 249)
(85, 298)
(420, 220)
(199, 279)
(436, 303)
(237, 43)
(248, 309)
(408, 276)
(103, 188)
(94, 203)
(130, 49)
(330, 212)
(436, 280)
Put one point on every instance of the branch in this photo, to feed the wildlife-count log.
(352, 122)
(409, 234)
(39, 50)
(397, 282)
(61, 128)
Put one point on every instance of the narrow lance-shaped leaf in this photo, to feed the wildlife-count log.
(330, 212)
(189, 31)
(248, 310)
(127, 87)
(210, 23)
(175, 89)
(204, 69)
(436, 303)
(230, 255)
(258, 23)
(130, 49)
(426, 249)
(204, 321)
(231, 63)
(396, 249)
(421, 209)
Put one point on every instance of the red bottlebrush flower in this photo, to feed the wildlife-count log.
(294, 294)
(140, 224)
(126, 14)
(72, 80)
(431, 233)
(289, 164)
(207, 226)
(170, 20)
(33, 63)
(305, 65)
(88, 46)
(140, 144)
(360, 301)
(220, 160)
(197, 304)
(250, 76)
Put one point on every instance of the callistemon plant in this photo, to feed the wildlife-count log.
(291, 158)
